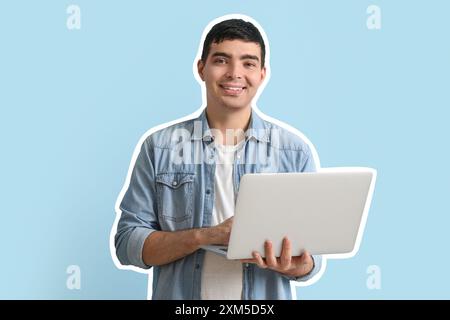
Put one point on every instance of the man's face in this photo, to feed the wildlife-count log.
(232, 73)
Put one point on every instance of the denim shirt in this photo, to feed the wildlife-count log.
(172, 188)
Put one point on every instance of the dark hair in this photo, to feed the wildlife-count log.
(230, 30)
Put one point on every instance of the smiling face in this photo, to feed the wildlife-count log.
(232, 74)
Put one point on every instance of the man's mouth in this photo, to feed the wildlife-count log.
(233, 90)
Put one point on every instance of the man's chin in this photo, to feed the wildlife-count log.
(235, 106)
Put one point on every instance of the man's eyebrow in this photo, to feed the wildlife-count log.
(249, 56)
(221, 54)
(243, 57)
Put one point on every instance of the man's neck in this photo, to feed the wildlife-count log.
(231, 124)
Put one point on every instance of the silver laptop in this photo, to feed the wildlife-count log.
(323, 212)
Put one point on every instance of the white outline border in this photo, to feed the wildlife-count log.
(195, 114)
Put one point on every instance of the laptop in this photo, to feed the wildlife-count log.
(323, 212)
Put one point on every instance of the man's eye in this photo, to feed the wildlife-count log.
(219, 61)
(250, 64)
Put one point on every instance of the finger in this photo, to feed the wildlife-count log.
(226, 238)
(248, 260)
(259, 260)
(305, 261)
(229, 222)
(305, 257)
(286, 254)
(271, 261)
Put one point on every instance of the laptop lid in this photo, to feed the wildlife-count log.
(323, 212)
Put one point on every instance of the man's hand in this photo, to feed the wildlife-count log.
(286, 264)
(219, 234)
(162, 247)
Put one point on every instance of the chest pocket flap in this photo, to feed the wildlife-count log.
(175, 199)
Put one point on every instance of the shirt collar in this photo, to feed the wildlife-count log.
(257, 128)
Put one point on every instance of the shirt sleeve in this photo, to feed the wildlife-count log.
(317, 265)
(138, 211)
(308, 164)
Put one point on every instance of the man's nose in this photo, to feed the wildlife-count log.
(234, 71)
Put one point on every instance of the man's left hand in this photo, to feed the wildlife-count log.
(286, 264)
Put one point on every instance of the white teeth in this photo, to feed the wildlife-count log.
(232, 88)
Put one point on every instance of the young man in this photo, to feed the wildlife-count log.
(184, 183)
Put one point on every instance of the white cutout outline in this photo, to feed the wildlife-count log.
(195, 114)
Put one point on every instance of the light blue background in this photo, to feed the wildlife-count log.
(73, 105)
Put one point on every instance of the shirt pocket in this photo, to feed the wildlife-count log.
(175, 197)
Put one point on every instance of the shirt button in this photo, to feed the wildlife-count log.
(197, 266)
(208, 191)
(174, 183)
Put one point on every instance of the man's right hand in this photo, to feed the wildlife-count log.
(220, 234)
(162, 247)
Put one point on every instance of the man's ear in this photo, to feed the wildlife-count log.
(263, 73)
(200, 67)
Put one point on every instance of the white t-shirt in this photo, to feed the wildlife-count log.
(222, 278)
